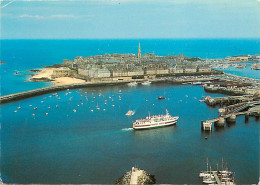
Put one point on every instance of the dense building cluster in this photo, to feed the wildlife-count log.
(130, 66)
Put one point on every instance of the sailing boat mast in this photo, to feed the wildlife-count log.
(207, 164)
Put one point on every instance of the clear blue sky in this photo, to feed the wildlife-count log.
(92, 19)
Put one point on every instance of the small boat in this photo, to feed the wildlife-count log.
(74, 110)
(35, 108)
(132, 83)
(130, 113)
(197, 83)
(46, 114)
(92, 110)
(113, 105)
(15, 111)
(33, 115)
(19, 107)
(161, 98)
(209, 181)
(42, 101)
(146, 83)
(57, 106)
(49, 107)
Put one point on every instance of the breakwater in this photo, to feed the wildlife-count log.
(46, 90)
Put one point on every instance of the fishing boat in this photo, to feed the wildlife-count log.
(155, 121)
(130, 113)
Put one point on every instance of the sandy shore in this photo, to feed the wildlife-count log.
(46, 74)
(67, 81)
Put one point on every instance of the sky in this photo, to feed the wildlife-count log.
(127, 19)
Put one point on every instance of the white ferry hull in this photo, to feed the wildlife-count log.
(155, 125)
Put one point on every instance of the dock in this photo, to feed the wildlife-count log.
(216, 177)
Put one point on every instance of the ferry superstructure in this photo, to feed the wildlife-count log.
(155, 121)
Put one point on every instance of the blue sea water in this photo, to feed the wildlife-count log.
(100, 146)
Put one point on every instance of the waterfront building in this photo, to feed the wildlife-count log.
(61, 72)
(204, 69)
(239, 58)
(178, 69)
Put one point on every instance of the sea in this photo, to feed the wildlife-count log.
(83, 135)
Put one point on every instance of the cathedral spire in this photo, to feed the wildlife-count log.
(139, 52)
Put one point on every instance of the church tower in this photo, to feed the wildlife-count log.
(139, 52)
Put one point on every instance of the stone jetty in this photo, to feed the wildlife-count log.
(136, 176)
(229, 100)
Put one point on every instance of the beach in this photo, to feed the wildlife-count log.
(46, 74)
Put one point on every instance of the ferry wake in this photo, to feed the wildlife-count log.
(155, 121)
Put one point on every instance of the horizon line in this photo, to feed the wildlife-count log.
(170, 38)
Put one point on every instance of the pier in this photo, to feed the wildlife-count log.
(216, 177)
(231, 112)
